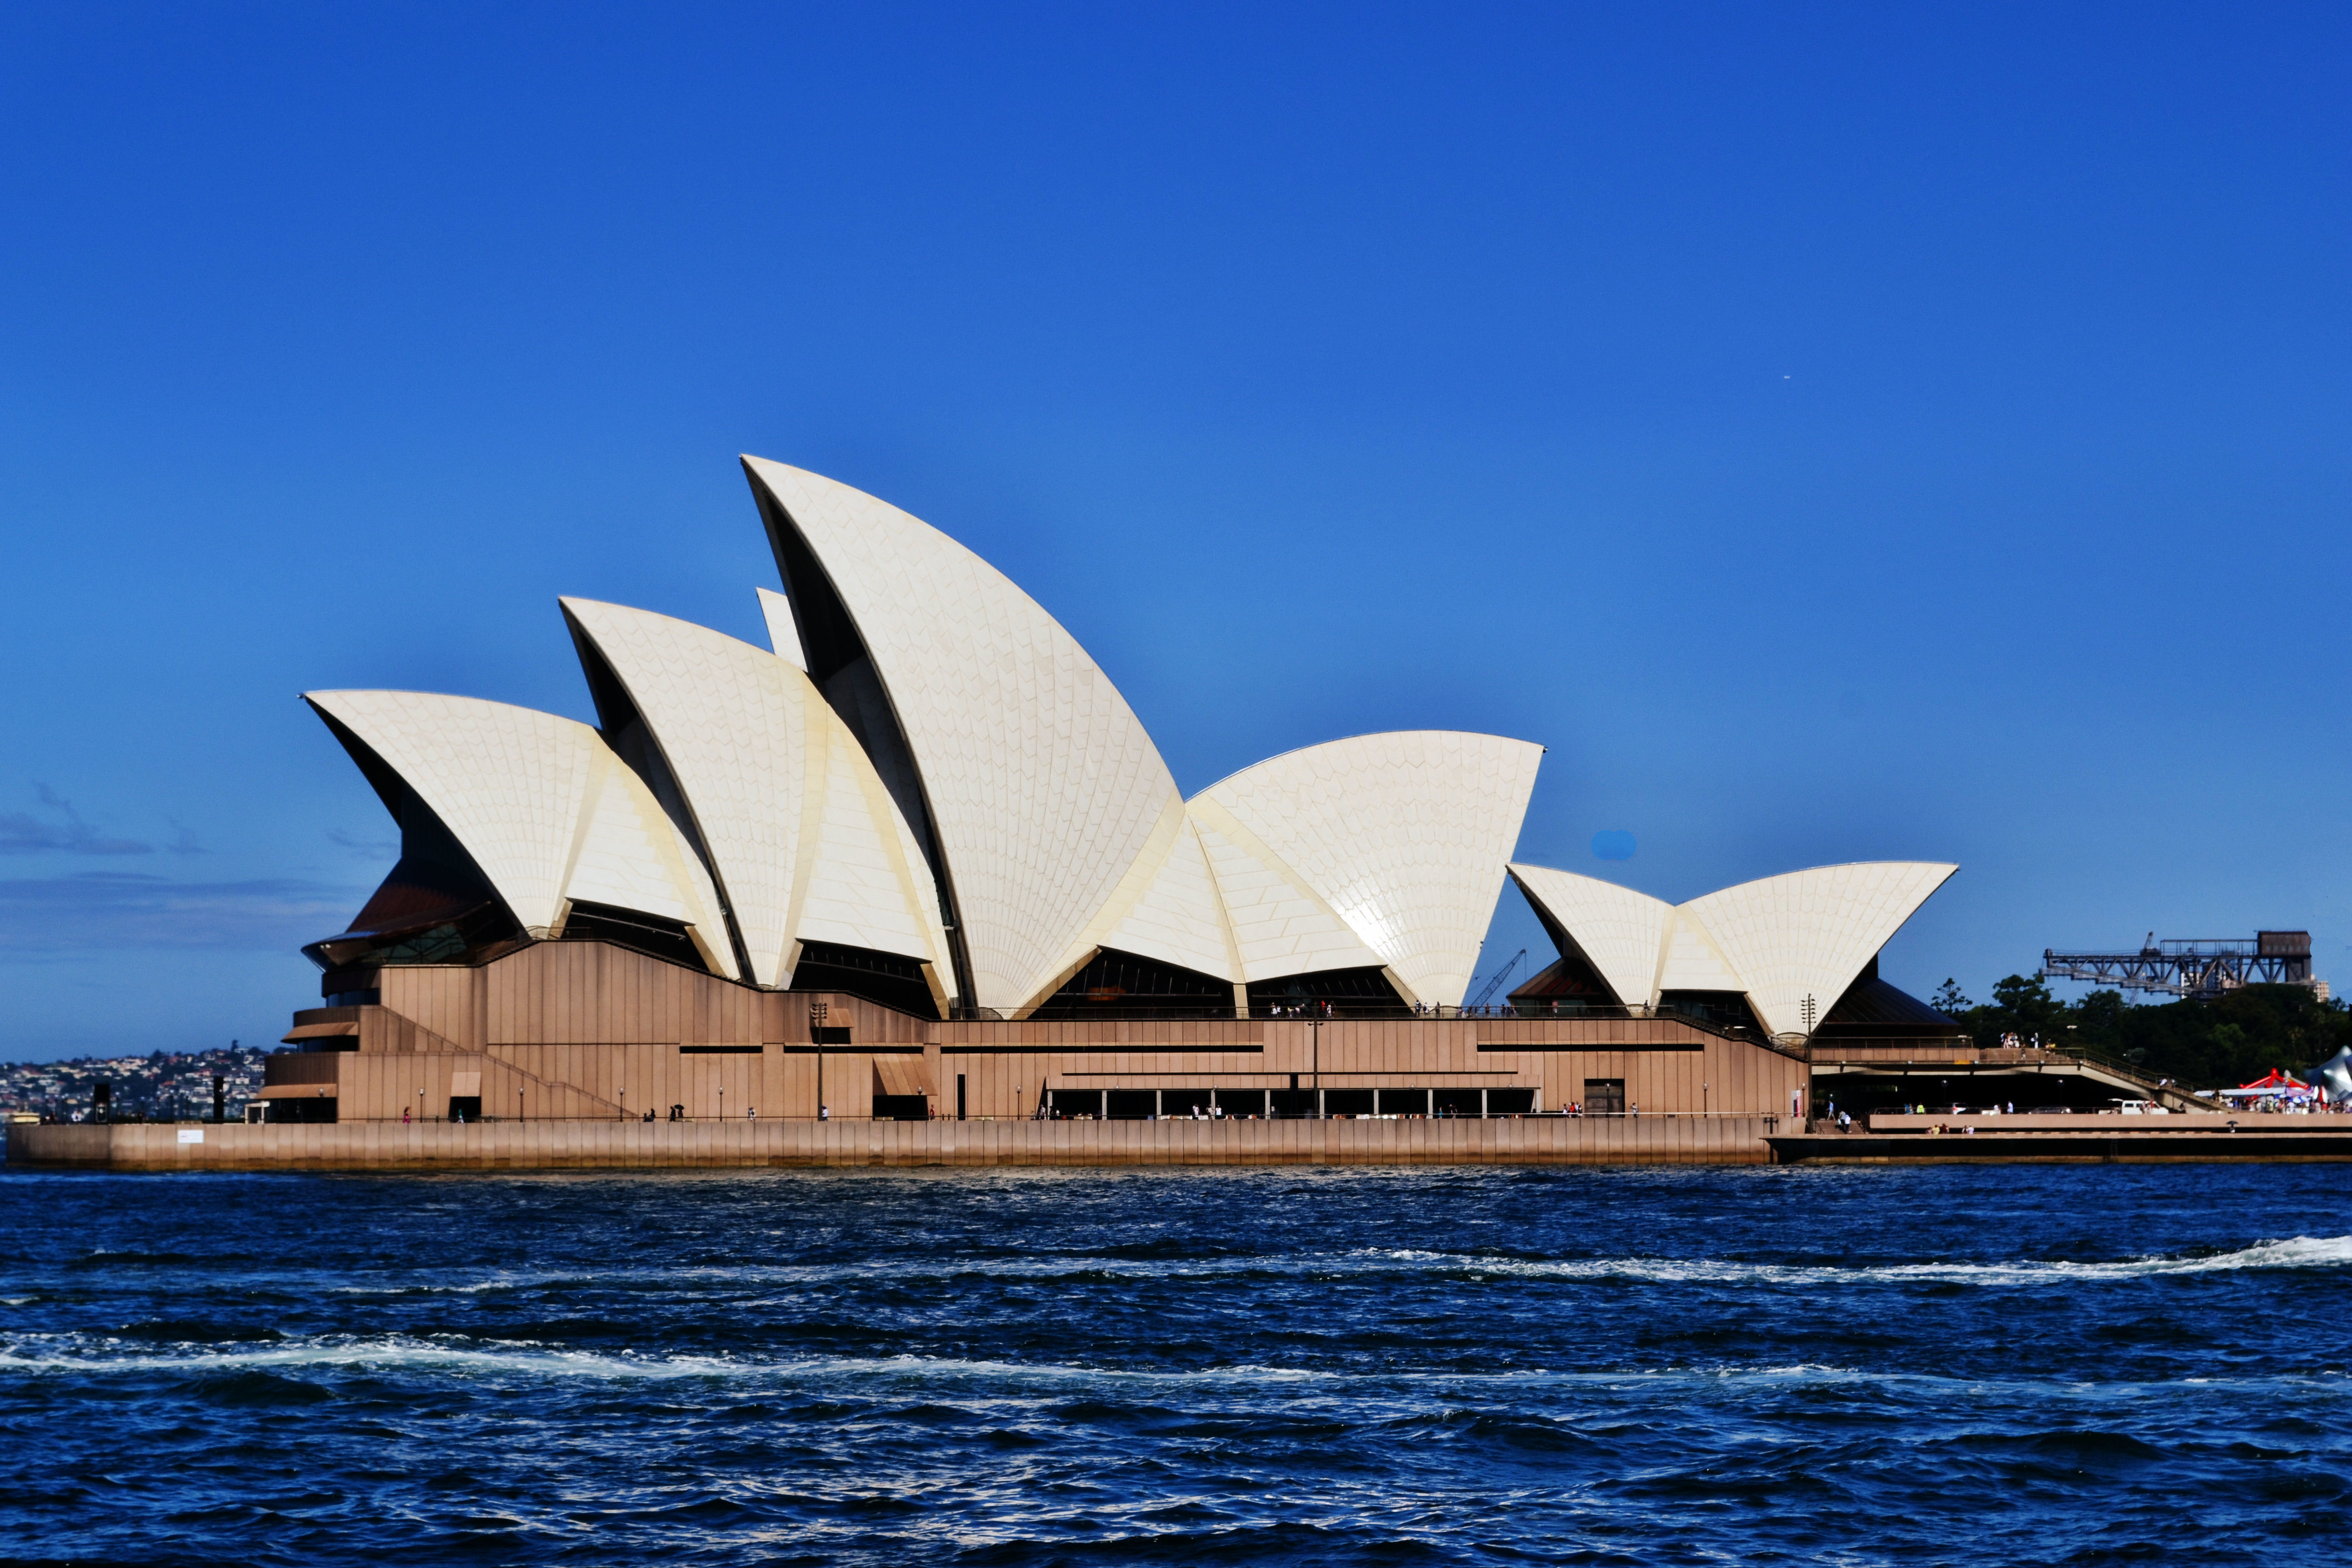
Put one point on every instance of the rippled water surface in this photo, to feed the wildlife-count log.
(2013, 1365)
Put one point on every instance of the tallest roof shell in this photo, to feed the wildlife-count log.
(1040, 786)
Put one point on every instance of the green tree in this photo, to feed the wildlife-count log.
(2024, 1007)
(1951, 999)
(2097, 1021)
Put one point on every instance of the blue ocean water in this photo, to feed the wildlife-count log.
(2012, 1365)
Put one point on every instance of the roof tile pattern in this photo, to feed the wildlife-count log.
(733, 728)
(1404, 836)
(1179, 919)
(1043, 786)
(1620, 930)
(1808, 933)
(1280, 926)
(1778, 941)
(542, 806)
(866, 883)
(804, 835)
(509, 781)
(1692, 962)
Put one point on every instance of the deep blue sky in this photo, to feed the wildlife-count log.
(1838, 433)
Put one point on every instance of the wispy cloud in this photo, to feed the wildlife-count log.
(109, 910)
(21, 832)
(372, 848)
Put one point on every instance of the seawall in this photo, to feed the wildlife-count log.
(1662, 1139)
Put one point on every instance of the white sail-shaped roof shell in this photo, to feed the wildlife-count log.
(1043, 789)
(1691, 959)
(784, 635)
(1808, 933)
(1403, 837)
(1280, 925)
(1621, 932)
(802, 833)
(866, 883)
(1165, 908)
(1778, 941)
(543, 807)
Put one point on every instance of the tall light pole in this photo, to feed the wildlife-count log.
(817, 1013)
(1315, 1032)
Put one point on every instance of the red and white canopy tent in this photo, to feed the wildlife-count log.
(2274, 1085)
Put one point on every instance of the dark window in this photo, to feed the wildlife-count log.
(1293, 1103)
(1603, 1096)
(306, 1109)
(902, 1108)
(1331, 993)
(1121, 985)
(1065, 1103)
(649, 934)
(886, 978)
(1242, 1101)
(1510, 1102)
(465, 1108)
(1347, 1103)
(829, 1034)
(1132, 1104)
(1569, 986)
(960, 1097)
(1726, 1010)
(1404, 1101)
(1183, 1101)
(1459, 1102)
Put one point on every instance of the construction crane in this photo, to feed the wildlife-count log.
(2198, 970)
(1500, 975)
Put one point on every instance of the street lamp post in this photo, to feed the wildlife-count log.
(818, 1011)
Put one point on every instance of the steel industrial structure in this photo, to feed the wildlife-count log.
(2200, 969)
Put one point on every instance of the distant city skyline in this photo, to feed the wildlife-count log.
(1834, 436)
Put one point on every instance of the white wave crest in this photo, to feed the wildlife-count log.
(2296, 1252)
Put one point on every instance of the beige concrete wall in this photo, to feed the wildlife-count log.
(630, 1145)
(581, 1030)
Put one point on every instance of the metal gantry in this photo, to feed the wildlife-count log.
(2200, 969)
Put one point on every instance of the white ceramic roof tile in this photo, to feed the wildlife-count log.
(804, 836)
(783, 633)
(619, 858)
(1404, 836)
(509, 781)
(1044, 789)
(627, 853)
(1690, 963)
(1808, 933)
(1166, 908)
(537, 800)
(861, 888)
(1279, 926)
(1179, 919)
(1620, 930)
(733, 722)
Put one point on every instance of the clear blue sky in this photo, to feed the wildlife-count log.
(1838, 433)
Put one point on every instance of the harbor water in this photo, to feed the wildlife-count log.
(2020, 1365)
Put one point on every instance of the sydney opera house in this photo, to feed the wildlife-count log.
(918, 858)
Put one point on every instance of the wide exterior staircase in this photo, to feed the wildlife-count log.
(1960, 1056)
